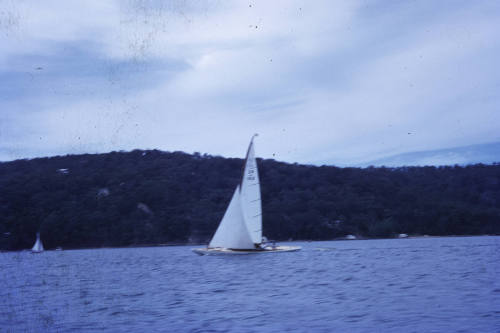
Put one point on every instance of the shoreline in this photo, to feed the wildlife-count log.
(283, 241)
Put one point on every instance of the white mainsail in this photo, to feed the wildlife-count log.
(38, 247)
(250, 196)
(241, 226)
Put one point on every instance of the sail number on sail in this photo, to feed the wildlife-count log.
(251, 174)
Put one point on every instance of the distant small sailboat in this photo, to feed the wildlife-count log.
(38, 247)
(240, 230)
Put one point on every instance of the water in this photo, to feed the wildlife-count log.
(405, 285)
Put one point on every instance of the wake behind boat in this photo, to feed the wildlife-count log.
(240, 230)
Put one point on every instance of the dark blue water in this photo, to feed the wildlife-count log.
(406, 285)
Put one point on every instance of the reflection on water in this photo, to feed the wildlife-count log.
(400, 285)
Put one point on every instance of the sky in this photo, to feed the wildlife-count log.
(322, 82)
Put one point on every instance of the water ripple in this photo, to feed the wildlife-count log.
(408, 285)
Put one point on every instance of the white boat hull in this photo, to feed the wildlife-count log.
(224, 251)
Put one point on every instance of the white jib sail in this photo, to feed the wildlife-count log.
(38, 247)
(250, 197)
(232, 232)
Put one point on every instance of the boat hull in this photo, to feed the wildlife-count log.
(224, 251)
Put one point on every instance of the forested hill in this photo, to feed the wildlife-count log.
(151, 197)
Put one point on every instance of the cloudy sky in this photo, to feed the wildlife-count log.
(337, 82)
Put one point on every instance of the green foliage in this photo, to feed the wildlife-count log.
(151, 197)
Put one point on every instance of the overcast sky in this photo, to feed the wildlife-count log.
(340, 82)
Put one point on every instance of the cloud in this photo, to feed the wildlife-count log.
(341, 81)
(482, 153)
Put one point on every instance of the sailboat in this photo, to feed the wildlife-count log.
(240, 230)
(38, 247)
